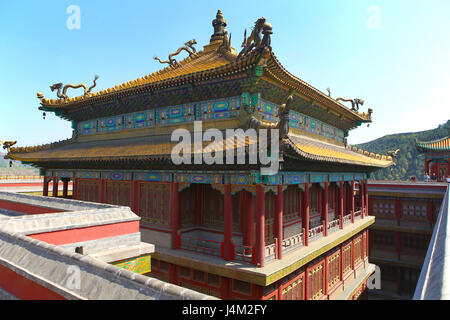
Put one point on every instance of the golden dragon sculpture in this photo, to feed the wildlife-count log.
(188, 47)
(63, 94)
(7, 144)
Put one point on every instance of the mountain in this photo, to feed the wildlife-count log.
(17, 168)
(409, 161)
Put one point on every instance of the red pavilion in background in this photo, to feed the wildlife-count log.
(437, 157)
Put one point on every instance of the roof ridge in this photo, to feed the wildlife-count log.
(433, 141)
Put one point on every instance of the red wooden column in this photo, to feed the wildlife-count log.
(249, 219)
(102, 191)
(279, 222)
(398, 210)
(55, 187)
(135, 197)
(305, 215)
(399, 280)
(398, 244)
(65, 186)
(430, 212)
(174, 213)
(45, 190)
(325, 210)
(366, 189)
(75, 189)
(352, 201)
(341, 204)
(362, 197)
(427, 166)
(227, 222)
(260, 224)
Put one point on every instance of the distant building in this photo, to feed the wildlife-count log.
(405, 214)
(229, 230)
(437, 157)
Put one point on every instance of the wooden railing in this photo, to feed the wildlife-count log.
(201, 245)
(333, 225)
(292, 243)
(358, 215)
(270, 252)
(347, 219)
(247, 254)
(316, 232)
(244, 253)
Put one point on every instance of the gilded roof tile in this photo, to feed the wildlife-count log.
(321, 151)
(436, 145)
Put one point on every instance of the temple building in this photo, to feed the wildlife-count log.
(437, 157)
(234, 229)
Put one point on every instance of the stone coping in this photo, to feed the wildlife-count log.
(76, 214)
(55, 267)
(434, 279)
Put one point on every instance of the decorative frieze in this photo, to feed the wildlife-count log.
(239, 178)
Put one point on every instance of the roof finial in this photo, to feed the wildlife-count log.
(219, 25)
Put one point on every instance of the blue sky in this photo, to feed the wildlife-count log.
(394, 54)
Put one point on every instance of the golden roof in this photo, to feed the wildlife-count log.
(318, 150)
(151, 147)
(212, 57)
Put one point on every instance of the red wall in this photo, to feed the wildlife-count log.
(85, 234)
(24, 288)
(25, 208)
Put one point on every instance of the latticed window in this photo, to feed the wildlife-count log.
(415, 242)
(384, 208)
(334, 269)
(118, 193)
(294, 290)
(212, 214)
(347, 258)
(187, 209)
(332, 197)
(358, 247)
(88, 190)
(414, 209)
(316, 280)
(383, 239)
(269, 217)
(236, 207)
(291, 200)
(313, 199)
(154, 206)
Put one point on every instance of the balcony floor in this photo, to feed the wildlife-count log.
(272, 271)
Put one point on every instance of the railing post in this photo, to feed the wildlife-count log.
(276, 248)
(232, 250)
(228, 221)
(260, 225)
(341, 205)
(352, 211)
(174, 212)
(304, 237)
